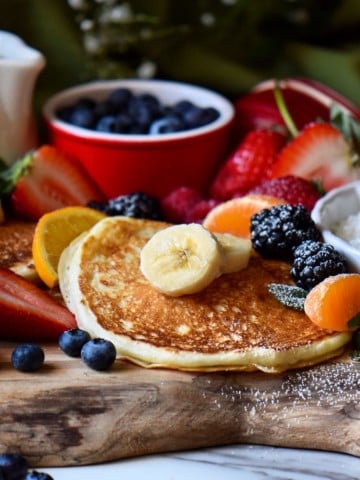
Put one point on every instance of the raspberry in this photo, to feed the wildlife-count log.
(292, 189)
(200, 210)
(177, 205)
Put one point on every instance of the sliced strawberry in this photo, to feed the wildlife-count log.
(320, 152)
(248, 165)
(28, 313)
(45, 180)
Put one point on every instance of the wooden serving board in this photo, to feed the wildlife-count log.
(67, 414)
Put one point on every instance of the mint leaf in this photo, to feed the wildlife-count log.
(354, 321)
(288, 295)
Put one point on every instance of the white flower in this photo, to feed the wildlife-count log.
(207, 19)
(146, 69)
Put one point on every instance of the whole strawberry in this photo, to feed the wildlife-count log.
(292, 189)
(248, 165)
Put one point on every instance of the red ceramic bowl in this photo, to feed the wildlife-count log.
(155, 164)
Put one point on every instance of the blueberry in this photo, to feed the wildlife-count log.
(82, 117)
(120, 97)
(27, 357)
(35, 475)
(197, 117)
(168, 124)
(98, 354)
(106, 124)
(122, 123)
(13, 466)
(182, 106)
(72, 341)
(64, 113)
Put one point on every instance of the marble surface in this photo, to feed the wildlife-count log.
(248, 462)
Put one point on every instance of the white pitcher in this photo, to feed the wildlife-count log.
(19, 69)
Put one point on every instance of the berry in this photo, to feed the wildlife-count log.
(248, 165)
(98, 354)
(168, 124)
(178, 204)
(314, 261)
(45, 180)
(319, 152)
(290, 188)
(200, 210)
(27, 357)
(135, 205)
(277, 231)
(35, 475)
(13, 466)
(72, 341)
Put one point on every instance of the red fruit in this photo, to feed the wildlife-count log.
(248, 165)
(306, 99)
(28, 313)
(320, 153)
(200, 210)
(292, 189)
(177, 204)
(45, 180)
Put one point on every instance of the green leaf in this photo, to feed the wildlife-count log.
(10, 175)
(354, 322)
(288, 295)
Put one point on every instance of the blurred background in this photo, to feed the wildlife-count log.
(228, 45)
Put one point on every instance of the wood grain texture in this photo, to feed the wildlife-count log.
(67, 414)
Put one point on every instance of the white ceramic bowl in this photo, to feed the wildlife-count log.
(335, 206)
(155, 164)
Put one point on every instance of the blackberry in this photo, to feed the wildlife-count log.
(277, 231)
(136, 205)
(314, 261)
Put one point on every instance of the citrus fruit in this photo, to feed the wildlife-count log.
(233, 216)
(334, 301)
(53, 232)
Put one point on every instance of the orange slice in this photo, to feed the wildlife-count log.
(53, 232)
(233, 216)
(334, 301)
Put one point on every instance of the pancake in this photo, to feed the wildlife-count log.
(233, 324)
(15, 248)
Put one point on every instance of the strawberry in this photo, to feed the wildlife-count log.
(28, 313)
(45, 180)
(249, 164)
(292, 189)
(319, 152)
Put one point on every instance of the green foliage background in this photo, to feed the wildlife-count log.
(250, 41)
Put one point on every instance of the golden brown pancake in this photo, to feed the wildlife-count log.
(15, 248)
(233, 324)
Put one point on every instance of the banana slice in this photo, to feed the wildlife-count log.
(235, 252)
(181, 259)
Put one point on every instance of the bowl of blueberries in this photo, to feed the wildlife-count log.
(142, 135)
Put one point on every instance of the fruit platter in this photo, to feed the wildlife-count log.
(207, 313)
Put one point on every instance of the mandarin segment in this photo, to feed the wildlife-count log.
(54, 232)
(233, 216)
(334, 301)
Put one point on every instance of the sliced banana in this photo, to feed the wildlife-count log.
(181, 259)
(235, 252)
